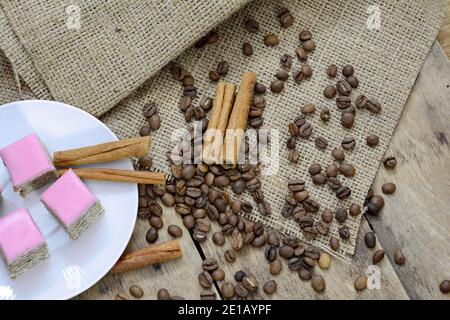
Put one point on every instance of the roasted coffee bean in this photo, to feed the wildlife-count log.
(291, 241)
(298, 76)
(205, 279)
(230, 255)
(309, 263)
(348, 143)
(209, 264)
(251, 25)
(207, 295)
(199, 213)
(199, 113)
(236, 240)
(296, 185)
(185, 103)
(270, 287)
(321, 142)
(306, 71)
(344, 88)
(152, 235)
(156, 222)
(309, 45)
(188, 81)
(347, 120)
(361, 101)
(223, 219)
(372, 140)
(222, 68)
(286, 252)
(302, 55)
(377, 256)
(221, 181)
(277, 86)
(285, 17)
(390, 163)
(227, 290)
(327, 216)
(334, 244)
(190, 91)
(218, 275)
(247, 49)
(182, 209)
(348, 71)
(325, 114)
(264, 208)
(286, 211)
(214, 75)
(293, 156)
(145, 162)
(308, 108)
(150, 110)
(241, 291)
(175, 231)
(190, 202)
(295, 264)
(399, 257)
(341, 215)
(353, 81)
(332, 71)
(189, 222)
(331, 171)
(324, 261)
(305, 221)
(294, 132)
(338, 154)
(189, 114)
(136, 291)
(178, 72)
(314, 169)
(193, 192)
(143, 213)
(373, 106)
(238, 186)
(239, 275)
(246, 207)
(330, 92)
(355, 210)
(301, 196)
(370, 240)
(444, 286)
(305, 35)
(334, 183)
(343, 193)
(347, 170)
(388, 188)
(270, 253)
(221, 204)
(360, 283)
(344, 232)
(255, 112)
(259, 241)
(188, 172)
(259, 89)
(145, 131)
(256, 122)
(271, 40)
(282, 75)
(319, 179)
(199, 235)
(163, 294)
(275, 267)
(203, 225)
(227, 229)
(343, 102)
(318, 283)
(286, 62)
(305, 274)
(375, 205)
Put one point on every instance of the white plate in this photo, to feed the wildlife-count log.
(73, 265)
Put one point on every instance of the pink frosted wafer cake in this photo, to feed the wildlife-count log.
(28, 164)
(72, 204)
(21, 243)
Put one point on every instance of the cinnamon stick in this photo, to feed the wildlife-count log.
(157, 253)
(105, 152)
(238, 120)
(215, 148)
(116, 175)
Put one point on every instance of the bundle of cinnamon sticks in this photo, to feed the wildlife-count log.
(228, 121)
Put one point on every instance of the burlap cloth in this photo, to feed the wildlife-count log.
(120, 45)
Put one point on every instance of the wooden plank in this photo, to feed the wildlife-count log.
(178, 276)
(444, 33)
(417, 217)
(339, 277)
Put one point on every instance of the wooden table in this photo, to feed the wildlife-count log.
(416, 219)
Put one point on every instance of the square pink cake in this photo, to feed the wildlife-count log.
(72, 204)
(21, 243)
(28, 164)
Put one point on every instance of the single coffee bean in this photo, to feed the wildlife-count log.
(399, 258)
(321, 143)
(350, 109)
(163, 294)
(370, 240)
(282, 75)
(361, 101)
(325, 114)
(311, 206)
(250, 282)
(318, 283)
(227, 290)
(331, 171)
(343, 193)
(199, 213)
(295, 264)
(251, 25)
(218, 275)
(150, 109)
(347, 120)
(230, 255)
(214, 76)
(373, 106)
(377, 256)
(189, 222)
(260, 88)
(188, 172)
(332, 71)
(271, 40)
(178, 72)
(239, 275)
(334, 183)
(185, 103)
(305, 35)
(291, 241)
(190, 91)
(305, 274)
(175, 231)
(355, 210)
(444, 286)
(270, 253)
(298, 76)
(330, 92)
(199, 235)
(348, 143)
(353, 81)
(344, 232)
(334, 244)
(343, 102)
(372, 140)
(273, 239)
(238, 186)
(270, 287)
(338, 154)
(344, 88)
(259, 241)
(324, 261)
(347, 170)
(277, 86)
(302, 55)
(388, 188)
(207, 295)
(360, 283)
(341, 215)
(136, 291)
(286, 61)
(156, 222)
(314, 169)
(205, 279)
(275, 267)
(222, 68)
(286, 252)
(327, 216)
(348, 71)
(221, 181)
(306, 71)
(309, 45)
(236, 240)
(241, 291)
(308, 108)
(145, 131)
(296, 185)
(209, 264)
(293, 156)
(247, 49)
(390, 163)
(145, 162)
(305, 130)
(375, 205)
(152, 235)
(256, 122)
(285, 17)
(203, 225)
(319, 179)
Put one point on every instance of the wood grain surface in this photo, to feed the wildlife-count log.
(444, 34)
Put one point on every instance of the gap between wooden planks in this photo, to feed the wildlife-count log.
(416, 218)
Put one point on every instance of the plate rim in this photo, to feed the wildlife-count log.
(114, 138)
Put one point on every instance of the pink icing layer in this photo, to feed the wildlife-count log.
(26, 159)
(68, 198)
(18, 234)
